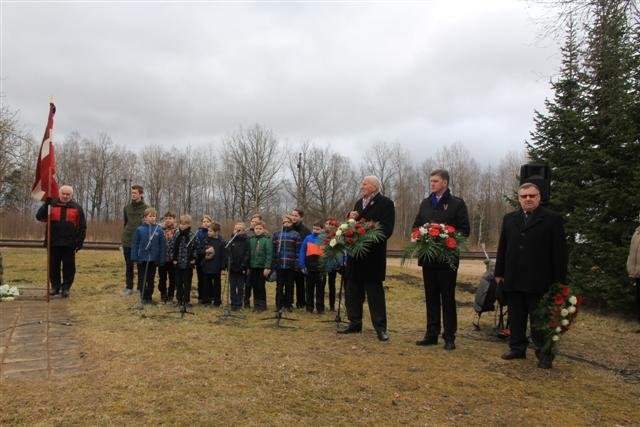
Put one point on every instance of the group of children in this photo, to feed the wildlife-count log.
(250, 257)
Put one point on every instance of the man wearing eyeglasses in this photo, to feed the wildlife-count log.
(532, 255)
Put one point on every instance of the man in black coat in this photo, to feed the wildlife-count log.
(439, 279)
(299, 278)
(366, 274)
(68, 230)
(532, 255)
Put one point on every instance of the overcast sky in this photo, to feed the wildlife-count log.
(346, 74)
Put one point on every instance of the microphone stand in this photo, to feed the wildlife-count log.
(226, 311)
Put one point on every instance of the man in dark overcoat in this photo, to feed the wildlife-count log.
(439, 278)
(532, 255)
(365, 275)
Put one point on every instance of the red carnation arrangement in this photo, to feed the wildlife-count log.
(435, 243)
(556, 313)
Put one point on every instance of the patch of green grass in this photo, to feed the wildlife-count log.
(155, 368)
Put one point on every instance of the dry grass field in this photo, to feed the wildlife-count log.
(151, 367)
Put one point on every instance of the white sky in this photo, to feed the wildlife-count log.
(423, 74)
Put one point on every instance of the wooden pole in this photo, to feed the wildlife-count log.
(49, 237)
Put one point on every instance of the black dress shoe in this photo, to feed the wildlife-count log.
(382, 335)
(449, 345)
(351, 329)
(546, 361)
(54, 292)
(509, 355)
(428, 341)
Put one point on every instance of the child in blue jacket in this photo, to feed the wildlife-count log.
(148, 250)
(309, 259)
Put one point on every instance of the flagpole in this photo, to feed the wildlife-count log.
(49, 238)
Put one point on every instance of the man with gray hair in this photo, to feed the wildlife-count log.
(365, 275)
(68, 230)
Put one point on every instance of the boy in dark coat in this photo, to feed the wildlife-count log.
(238, 260)
(149, 250)
(184, 259)
(201, 234)
(212, 263)
(167, 271)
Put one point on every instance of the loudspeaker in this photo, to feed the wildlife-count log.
(540, 175)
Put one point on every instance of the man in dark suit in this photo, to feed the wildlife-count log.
(366, 274)
(441, 207)
(532, 255)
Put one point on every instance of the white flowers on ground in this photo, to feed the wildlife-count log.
(8, 293)
(558, 329)
(572, 309)
(564, 312)
(573, 300)
(556, 337)
(564, 322)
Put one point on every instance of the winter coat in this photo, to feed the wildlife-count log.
(239, 255)
(532, 257)
(261, 250)
(149, 244)
(448, 210)
(184, 248)
(170, 238)
(286, 245)
(201, 234)
(215, 264)
(335, 263)
(302, 230)
(133, 217)
(310, 254)
(68, 223)
(633, 261)
(372, 267)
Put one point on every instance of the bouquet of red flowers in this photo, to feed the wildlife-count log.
(556, 313)
(353, 237)
(435, 243)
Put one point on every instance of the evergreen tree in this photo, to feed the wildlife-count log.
(607, 210)
(589, 138)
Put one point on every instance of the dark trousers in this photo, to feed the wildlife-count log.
(331, 278)
(146, 277)
(257, 283)
(65, 257)
(440, 296)
(201, 279)
(236, 287)
(183, 284)
(354, 298)
(128, 267)
(284, 288)
(521, 308)
(315, 288)
(299, 280)
(212, 289)
(248, 286)
(167, 271)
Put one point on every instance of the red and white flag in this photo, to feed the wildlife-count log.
(45, 185)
